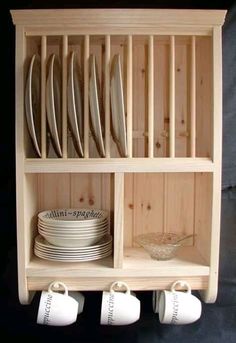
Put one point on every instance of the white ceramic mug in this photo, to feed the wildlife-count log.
(57, 309)
(178, 307)
(155, 301)
(79, 297)
(119, 308)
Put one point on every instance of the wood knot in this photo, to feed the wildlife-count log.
(158, 145)
(131, 206)
(81, 199)
(91, 202)
(167, 120)
(149, 207)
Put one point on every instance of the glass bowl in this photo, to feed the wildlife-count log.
(161, 246)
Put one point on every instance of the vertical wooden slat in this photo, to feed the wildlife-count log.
(193, 98)
(64, 95)
(86, 96)
(129, 95)
(107, 94)
(118, 219)
(150, 97)
(172, 97)
(43, 95)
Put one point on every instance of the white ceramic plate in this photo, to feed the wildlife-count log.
(72, 217)
(74, 230)
(53, 102)
(73, 233)
(105, 240)
(95, 108)
(71, 241)
(117, 107)
(32, 102)
(74, 254)
(74, 225)
(74, 103)
(69, 235)
(72, 259)
(71, 252)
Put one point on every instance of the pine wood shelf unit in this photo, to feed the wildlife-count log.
(171, 179)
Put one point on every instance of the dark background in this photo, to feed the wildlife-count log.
(218, 321)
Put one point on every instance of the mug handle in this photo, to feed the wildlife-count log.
(182, 284)
(120, 284)
(57, 284)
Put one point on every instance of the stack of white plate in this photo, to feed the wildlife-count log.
(73, 234)
(47, 251)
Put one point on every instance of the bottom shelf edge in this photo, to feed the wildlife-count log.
(103, 283)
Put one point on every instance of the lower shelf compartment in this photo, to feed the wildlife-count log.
(139, 271)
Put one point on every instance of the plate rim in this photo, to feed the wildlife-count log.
(72, 115)
(50, 109)
(95, 117)
(28, 99)
(114, 89)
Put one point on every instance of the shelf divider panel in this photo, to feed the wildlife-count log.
(118, 219)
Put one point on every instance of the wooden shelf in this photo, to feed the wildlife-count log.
(111, 165)
(188, 261)
(137, 263)
(139, 270)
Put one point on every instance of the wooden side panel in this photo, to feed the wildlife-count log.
(161, 98)
(204, 99)
(182, 113)
(30, 213)
(179, 202)
(140, 120)
(203, 214)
